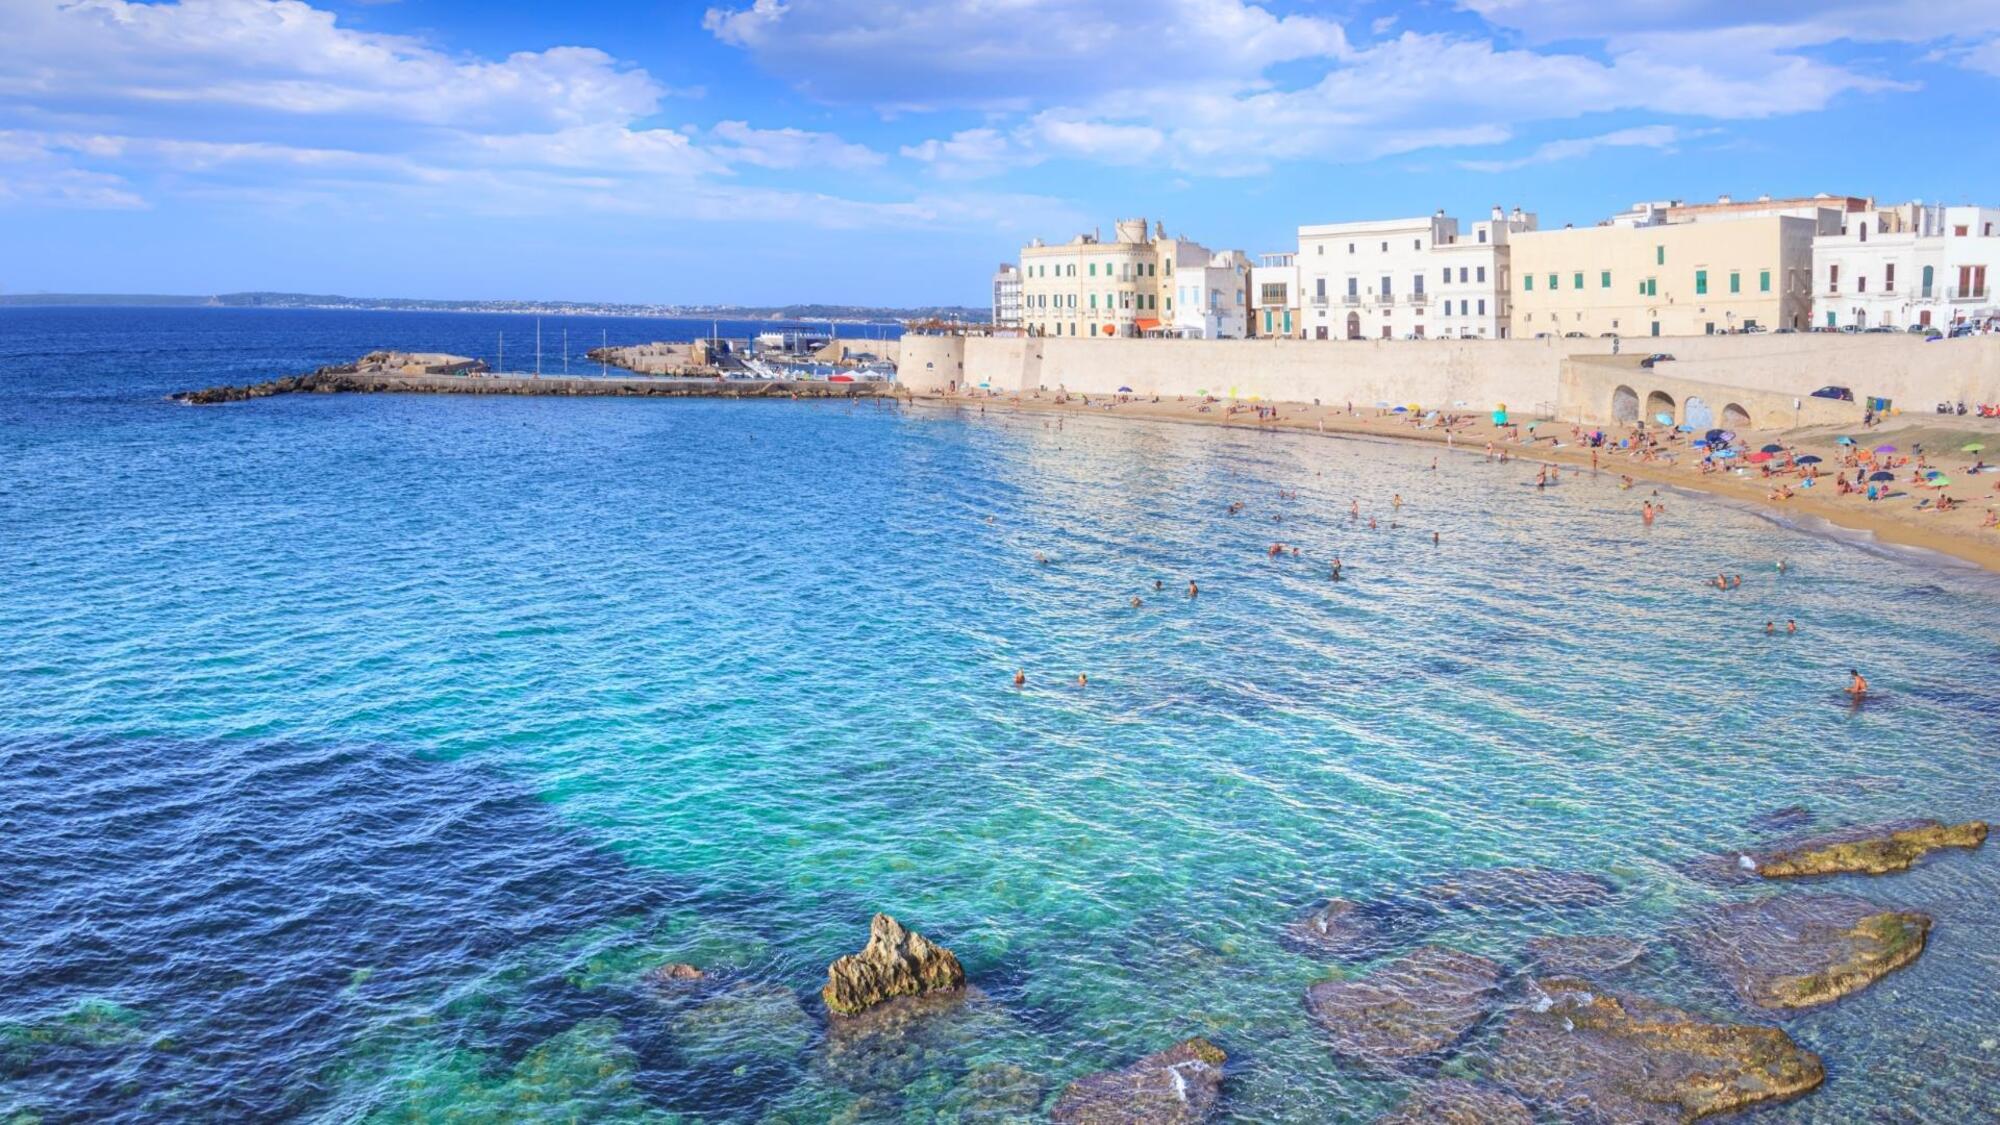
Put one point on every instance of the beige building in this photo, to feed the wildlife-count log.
(1125, 287)
(1674, 279)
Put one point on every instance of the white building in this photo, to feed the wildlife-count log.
(1274, 296)
(1211, 300)
(1007, 296)
(1913, 264)
(1407, 278)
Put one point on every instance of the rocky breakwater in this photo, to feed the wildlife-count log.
(896, 962)
(1607, 1057)
(423, 373)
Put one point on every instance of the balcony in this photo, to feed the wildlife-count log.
(1385, 298)
(1958, 293)
(1351, 299)
(1419, 300)
(1319, 300)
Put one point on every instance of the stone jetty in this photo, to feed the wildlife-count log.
(424, 373)
(896, 962)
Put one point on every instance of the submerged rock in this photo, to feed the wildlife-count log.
(1349, 930)
(1801, 951)
(1178, 1086)
(751, 1019)
(1874, 850)
(895, 962)
(673, 973)
(1452, 1101)
(1416, 1005)
(1609, 1057)
(1584, 955)
(1791, 818)
(1519, 888)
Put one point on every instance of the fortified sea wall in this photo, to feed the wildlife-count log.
(1580, 380)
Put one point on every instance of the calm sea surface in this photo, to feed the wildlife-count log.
(358, 755)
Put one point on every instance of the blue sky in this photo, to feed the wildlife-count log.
(769, 151)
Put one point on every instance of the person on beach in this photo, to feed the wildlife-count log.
(1858, 686)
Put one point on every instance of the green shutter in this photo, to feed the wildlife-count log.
(1604, 280)
(1528, 281)
(1700, 282)
(1735, 282)
(1579, 280)
(1764, 282)
(1660, 255)
(1554, 283)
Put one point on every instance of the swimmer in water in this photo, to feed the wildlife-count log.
(1371, 523)
(1082, 680)
(1136, 603)
(1397, 500)
(1336, 568)
(1791, 626)
(1721, 582)
(1020, 678)
(1193, 590)
(1434, 538)
(1769, 628)
(1354, 509)
(1159, 585)
(1856, 687)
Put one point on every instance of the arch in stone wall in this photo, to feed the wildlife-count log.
(1658, 403)
(1734, 417)
(1624, 405)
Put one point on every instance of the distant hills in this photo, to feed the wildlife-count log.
(545, 308)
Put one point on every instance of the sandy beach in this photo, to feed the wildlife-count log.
(1898, 519)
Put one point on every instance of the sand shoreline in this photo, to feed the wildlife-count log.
(1956, 534)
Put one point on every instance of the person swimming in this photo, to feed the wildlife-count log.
(1082, 680)
(1791, 626)
(1857, 686)
(1158, 584)
(1193, 590)
(1020, 678)
(1770, 628)
(1136, 603)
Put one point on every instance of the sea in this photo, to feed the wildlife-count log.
(361, 756)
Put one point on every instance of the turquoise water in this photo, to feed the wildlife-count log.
(364, 752)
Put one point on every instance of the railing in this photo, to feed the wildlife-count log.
(1420, 299)
(1319, 300)
(1385, 298)
(1351, 299)
(1973, 293)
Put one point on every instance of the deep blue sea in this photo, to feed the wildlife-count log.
(359, 755)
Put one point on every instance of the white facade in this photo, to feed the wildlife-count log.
(1089, 287)
(1007, 296)
(1274, 296)
(1407, 278)
(1909, 265)
(1211, 299)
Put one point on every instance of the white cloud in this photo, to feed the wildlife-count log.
(1663, 137)
(791, 148)
(1983, 57)
(971, 154)
(1016, 54)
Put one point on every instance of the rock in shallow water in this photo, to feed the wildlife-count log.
(1609, 1057)
(1178, 1086)
(1584, 955)
(1874, 850)
(1416, 1005)
(1452, 1101)
(1801, 951)
(1349, 930)
(896, 962)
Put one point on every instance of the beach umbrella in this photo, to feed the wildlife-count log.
(1844, 440)
(1939, 480)
(1400, 410)
(1729, 435)
(1971, 447)
(1934, 473)
(1725, 453)
(985, 386)
(1685, 428)
(1664, 418)
(1202, 391)
(1713, 436)
(1881, 474)
(1774, 449)
(1416, 408)
(1809, 459)
(1381, 406)
(1699, 443)
(1758, 457)
(1124, 390)
(1885, 449)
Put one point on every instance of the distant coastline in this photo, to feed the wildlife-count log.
(845, 314)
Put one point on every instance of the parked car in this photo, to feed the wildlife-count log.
(1786, 331)
(1841, 394)
(1656, 358)
(1877, 330)
(1754, 328)
(1918, 329)
(1961, 330)
(1573, 336)
(1607, 335)
(1822, 328)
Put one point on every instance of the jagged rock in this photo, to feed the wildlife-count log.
(1519, 888)
(895, 962)
(1801, 951)
(1178, 1086)
(1350, 930)
(1874, 850)
(1418, 1004)
(1584, 955)
(1608, 1057)
(672, 973)
(1452, 1101)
